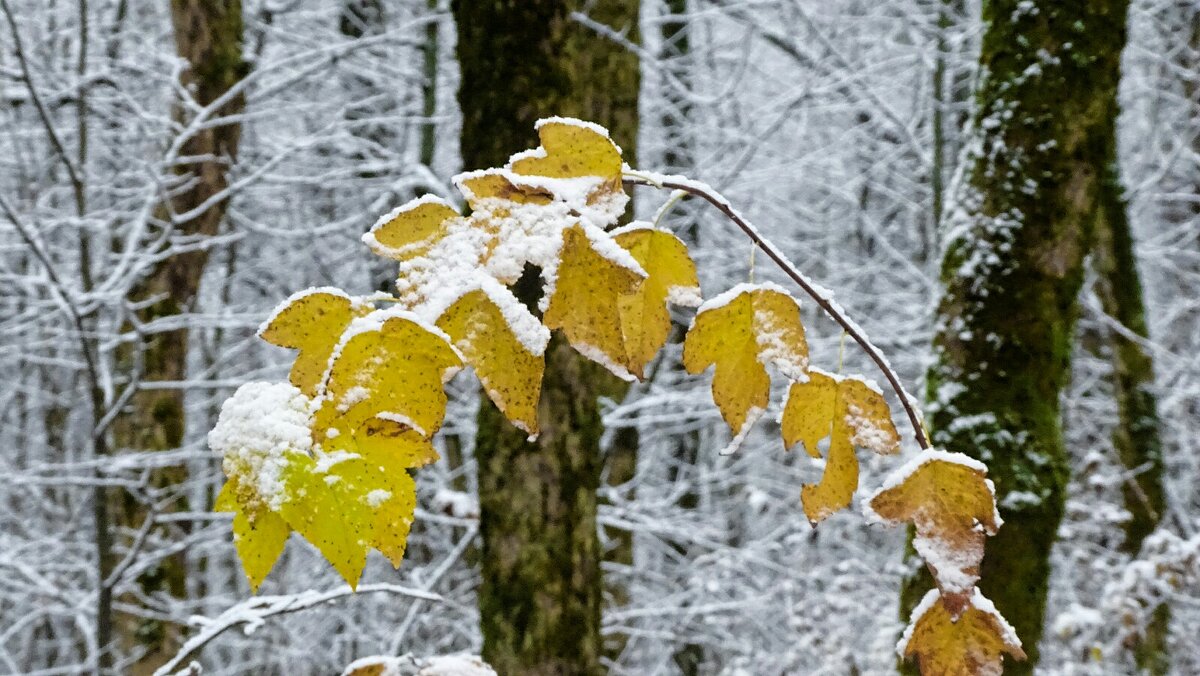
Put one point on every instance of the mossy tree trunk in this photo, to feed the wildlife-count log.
(209, 36)
(541, 591)
(1013, 268)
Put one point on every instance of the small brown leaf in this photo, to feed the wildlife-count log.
(974, 645)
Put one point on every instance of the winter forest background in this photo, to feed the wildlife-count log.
(838, 126)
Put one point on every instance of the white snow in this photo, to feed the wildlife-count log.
(456, 665)
(773, 347)
(402, 419)
(728, 296)
(526, 328)
(752, 416)
(600, 357)
(327, 461)
(867, 433)
(456, 503)
(407, 665)
(575, 122)
(257, 426)
(377, 497)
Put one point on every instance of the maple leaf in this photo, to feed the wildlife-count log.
(376, 354)
(311, 321)
(381, 453)
(851, 412)
(508, 360)
(412, 229)
(572, 149)
(670, 275)
(740, 332)
(972, 645)
(951, 503)
(590, 280)
(324, 503)
(356, 494)
(259, 534)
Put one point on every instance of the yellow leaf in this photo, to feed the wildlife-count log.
(670, 275)
(392, 496)
(311, 321)
(322, 507)
(808, 413)
(585, 302)
(346, 503)
(258, 533)
(510, 369)
(571, 149)
(412, 229)
(382, 438)
(974, 645)
(740, 331)
(396, 369)
(373, 469)
(851, 413)
(949, 500)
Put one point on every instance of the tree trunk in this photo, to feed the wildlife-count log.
(541, 591)
(208, 35)
(1136, 438)
(1013, 268)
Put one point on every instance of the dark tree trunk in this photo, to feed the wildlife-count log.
(209, 36)
(541, 592)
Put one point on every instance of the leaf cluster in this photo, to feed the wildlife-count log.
(366, 390)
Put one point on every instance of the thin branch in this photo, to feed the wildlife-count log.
(59, 148)
(252, 612)
(821, 296)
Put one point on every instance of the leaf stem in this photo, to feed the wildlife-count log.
(827, 304)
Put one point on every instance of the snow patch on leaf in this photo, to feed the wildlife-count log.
(256, 427)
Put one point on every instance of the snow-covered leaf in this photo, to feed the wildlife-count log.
(507, 360)
(972, 645)
(585, 303)
(949, 500)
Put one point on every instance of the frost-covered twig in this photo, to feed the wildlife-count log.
(822, 296)
(254, 611)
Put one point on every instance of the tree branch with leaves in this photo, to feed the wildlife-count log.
(328, 454)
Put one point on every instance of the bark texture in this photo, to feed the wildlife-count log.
(1013, 268)
(541, 592)
(209, 36)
